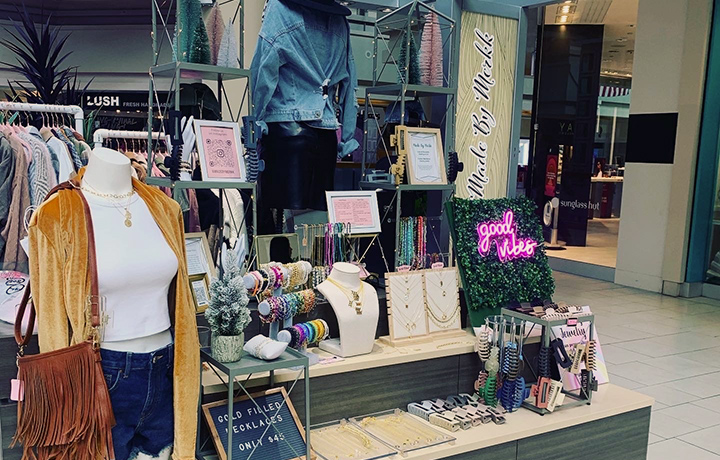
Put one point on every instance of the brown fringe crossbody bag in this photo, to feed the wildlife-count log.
(64, 410)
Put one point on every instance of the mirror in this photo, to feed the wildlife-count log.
(283, 248)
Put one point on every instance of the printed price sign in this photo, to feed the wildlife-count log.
(267, 429)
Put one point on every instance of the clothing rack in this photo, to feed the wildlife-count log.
(101, 134)
(76, 111)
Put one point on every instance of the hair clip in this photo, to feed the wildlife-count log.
(445, 420)
(472, 413)
(541, 392)
(458, 400)
(590, 355)
(577, 359)
(472, 399)
(465, 421)
(561, 355)
(482, 345)
(482, 415)
(423, 409)
(556, 396)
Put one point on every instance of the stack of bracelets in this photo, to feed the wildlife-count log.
(304, 334)
(271, 276)
(288, 305)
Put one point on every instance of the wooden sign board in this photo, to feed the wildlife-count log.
(252, 425)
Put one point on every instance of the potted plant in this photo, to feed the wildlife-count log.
(228, 314)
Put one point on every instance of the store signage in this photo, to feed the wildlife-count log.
(504, 234)
(129, 101)
(551, 169)
(265, 427)
(486, 84)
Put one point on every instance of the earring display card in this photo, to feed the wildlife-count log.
(406, 305)
(345, 441)
(401, 431)
(442, 299)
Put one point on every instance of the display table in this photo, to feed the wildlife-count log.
(616, 425)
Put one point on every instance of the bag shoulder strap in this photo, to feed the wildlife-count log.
(23, 340)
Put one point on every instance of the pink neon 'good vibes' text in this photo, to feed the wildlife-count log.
(504, 233)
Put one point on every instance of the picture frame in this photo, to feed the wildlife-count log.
(259, 398)
(220, 150)
(425, 156)
(200, 288)
(359, 208)
(198, 256)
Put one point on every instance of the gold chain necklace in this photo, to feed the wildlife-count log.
(444, 285)
(445, 319)
(85, 187)
(408, 323)
(354, 297)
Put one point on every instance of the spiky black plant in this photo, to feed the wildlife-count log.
(39, 54)
(228, 313)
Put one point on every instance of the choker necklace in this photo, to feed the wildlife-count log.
(85, 187)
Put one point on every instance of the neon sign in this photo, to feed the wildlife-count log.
(504, 233)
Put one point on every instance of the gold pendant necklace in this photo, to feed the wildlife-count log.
(354, 297)
(129, 195)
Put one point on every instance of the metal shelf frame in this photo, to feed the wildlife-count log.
(247, 366)
(577, 399)
(447, 192)
(173, 74)
(408, 20)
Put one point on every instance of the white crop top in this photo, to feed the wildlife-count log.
(135, 268)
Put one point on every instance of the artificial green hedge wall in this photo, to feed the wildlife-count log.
(490, 284)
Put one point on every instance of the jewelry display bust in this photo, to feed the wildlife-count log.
(357, 310)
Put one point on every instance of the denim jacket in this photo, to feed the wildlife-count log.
(303, 69)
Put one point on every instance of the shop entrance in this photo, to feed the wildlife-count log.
(578, 127)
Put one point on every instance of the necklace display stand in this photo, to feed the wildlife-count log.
(407, 319)
(442, 302)
(356, 307)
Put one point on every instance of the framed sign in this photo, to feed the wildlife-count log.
(220, 150)
(267, 429)
(426, 162)
(357, 208)
(198, 255)
(200, 292)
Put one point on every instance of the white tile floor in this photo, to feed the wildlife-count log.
(667, 348)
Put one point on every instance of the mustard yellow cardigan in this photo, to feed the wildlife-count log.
(60, 285)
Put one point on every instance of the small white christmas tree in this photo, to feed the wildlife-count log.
(228, 314)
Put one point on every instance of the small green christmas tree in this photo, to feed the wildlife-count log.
(414, 65)
(228, 314)
(200, 49)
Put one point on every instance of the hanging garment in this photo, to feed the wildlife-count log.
(73, 151)
(59, 280)
(303, 63)
(54, 160)
(14, 231)
(7, 174)
(42, 180)
(66, 167)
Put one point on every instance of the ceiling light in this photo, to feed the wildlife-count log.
(565, 9)
(563, 19)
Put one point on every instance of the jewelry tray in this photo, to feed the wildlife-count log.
(341, 439)
(406, 422)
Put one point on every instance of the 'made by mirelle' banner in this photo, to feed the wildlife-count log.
(486, 85)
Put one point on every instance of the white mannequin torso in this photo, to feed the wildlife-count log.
(109, 172)
(357, 331)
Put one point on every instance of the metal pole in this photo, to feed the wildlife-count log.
(307, 411)
(231, 388)
(398, 212)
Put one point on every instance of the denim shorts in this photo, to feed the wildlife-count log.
(141, 392)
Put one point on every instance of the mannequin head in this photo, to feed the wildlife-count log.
(326, 6)
(108, 171)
